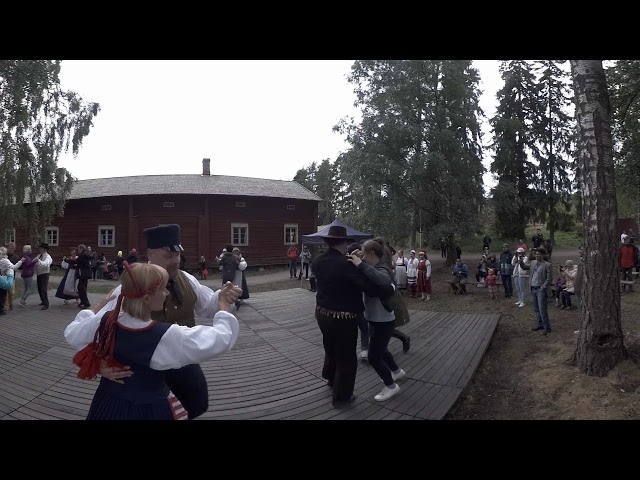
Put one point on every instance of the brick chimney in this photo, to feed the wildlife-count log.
(206, 169)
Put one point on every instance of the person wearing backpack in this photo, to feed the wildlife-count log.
(374, 260)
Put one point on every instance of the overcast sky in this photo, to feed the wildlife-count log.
(252, 118)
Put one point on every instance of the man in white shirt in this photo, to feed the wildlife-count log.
(623, 236)
(43, 267)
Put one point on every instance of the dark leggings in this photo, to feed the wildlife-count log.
(379, 357)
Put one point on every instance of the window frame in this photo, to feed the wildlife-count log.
(46, 235)
(113, 239)
(240, 225)
(291, 225)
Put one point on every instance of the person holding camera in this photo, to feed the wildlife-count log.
(541, 278)
(520, 276)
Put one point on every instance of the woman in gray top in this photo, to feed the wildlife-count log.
(374, 261)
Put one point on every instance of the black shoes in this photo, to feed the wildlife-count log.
(44, 307)
(344, 403)
(547, 331)
(83, 306)
(406, 344)
(535, 329)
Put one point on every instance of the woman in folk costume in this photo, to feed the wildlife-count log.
(127, 335)
(412, 274)
(401, 271)
(68, 287)
(424, 276)
(229, 264)
(239, 278)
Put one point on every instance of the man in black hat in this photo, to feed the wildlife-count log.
(43, 267)
(187, 298)
(340, 285)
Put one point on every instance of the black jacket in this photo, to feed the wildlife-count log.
(83, 264)
(340, 284)
(229, 264)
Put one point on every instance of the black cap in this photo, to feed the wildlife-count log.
(44, 245)
(164, 236)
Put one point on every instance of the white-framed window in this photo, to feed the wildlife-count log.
(106, 208)
(168, 204)
(291, 207)
(290, 233)
(10, 235)
(240, 204)
(240, 234)
(107, 236)
(51, 236)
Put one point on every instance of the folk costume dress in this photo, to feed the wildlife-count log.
(240, 279)
(424, 276)
(187, 298)
(68, 287)
(412, 276)
(401, 273)
(151, 349)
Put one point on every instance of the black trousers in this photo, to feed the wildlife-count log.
(508, 286)
(82, 292)
(306, 270)
(43, 285)
(312, 285)
(379, 356)
(403, 337)
(339, 338)
(443, 252)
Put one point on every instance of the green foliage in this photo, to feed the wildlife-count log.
(38, 121)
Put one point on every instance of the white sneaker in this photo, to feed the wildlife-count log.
(521, 305)
(364, 354)
(23, 304)
(399, 375)
(387, 393)
(518, 302)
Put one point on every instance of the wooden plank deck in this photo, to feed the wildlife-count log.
(272, 373)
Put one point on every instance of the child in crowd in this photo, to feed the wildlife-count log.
(558, 285)
(491, 282)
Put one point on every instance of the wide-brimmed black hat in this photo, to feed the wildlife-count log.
(337, 231)
(166, 237)
(44, 245)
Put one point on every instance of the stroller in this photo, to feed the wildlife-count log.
(110, 272)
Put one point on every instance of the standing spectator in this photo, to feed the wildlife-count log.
(577, 286)
(305, 258)
(628, 260)
(538, 239)
(401, 271)
(339, 301)
(520, 275)
(292, 256)
(101, 263)
(133, 257)
(13, 258)
(623, 236)
(458, 251)
(481, 272)
(506, 270)
(120, 263)
(43, 268)
(486, 242)
(202, 268)
(570, 271)
(630, 233)
(521, 245)
(94, 263)
(424, 276)
(558, 285)
(68, 287)
(549, 248)
(492, 280)
(541, 277)
(460, 273)
(28, 263)
(443, 248)
(83, 265)
(412, 274)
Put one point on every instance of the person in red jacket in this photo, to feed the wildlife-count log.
(292, 256)
(628, 260)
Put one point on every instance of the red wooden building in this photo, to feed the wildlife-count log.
(260, 216)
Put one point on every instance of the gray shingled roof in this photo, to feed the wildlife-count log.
(190, 184)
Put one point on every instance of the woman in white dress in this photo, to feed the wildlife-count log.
(412, 274)
(401, 271)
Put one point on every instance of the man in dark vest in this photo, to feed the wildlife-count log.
(340, 285)
(187, 298)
